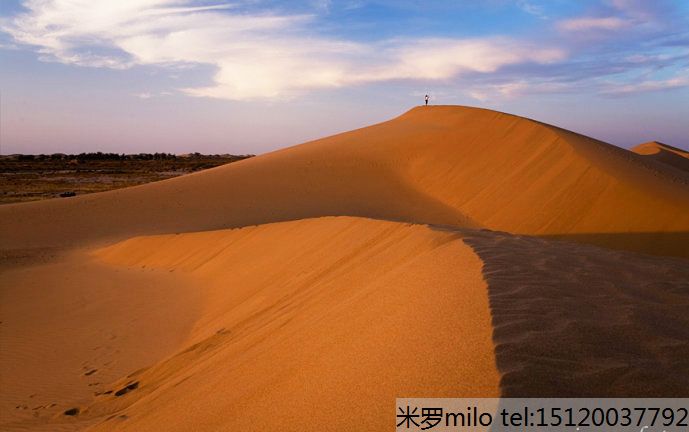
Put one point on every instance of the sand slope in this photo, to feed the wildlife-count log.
(72, 325)
(342, 311)
(444, 164)
(331, 313)
(575, 320)
(664, 153)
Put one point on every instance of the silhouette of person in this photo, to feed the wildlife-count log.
(426, 99)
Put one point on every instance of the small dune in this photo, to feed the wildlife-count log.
(665, 154)
(324, 308)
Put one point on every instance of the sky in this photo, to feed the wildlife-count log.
(251, 76)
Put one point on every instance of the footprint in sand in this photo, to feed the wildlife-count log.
(126, 389)
(72, 412)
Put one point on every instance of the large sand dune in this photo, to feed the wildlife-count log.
(230, 300)
(447, 165)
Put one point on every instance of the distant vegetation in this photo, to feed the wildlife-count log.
(119, 156)
(198, 159)
(33, 177)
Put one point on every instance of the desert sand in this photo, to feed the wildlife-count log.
(451, 251)
(664, 153)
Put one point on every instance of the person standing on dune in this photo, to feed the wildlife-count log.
(426, 99)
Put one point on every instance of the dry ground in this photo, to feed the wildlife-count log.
(29, 178)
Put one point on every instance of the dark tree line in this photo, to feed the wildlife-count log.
(100, 156)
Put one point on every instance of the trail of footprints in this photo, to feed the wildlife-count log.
(130, 386)
(90, 372)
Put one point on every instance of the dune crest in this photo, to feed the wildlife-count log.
(664, 153)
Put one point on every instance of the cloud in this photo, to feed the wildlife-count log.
(625, 82)
(592, 23)
(512, 89)
(255, 55)
(271, 55)
(615, 89)
(149, 95)
(8, 46)
(641, 10)
(437, 59)
(635, 15)
(322, 5)
(531, 8)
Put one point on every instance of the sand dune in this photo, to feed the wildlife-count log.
(345, 313)
(290, 290)
(444, 164)
(353, 312)
(664, 153)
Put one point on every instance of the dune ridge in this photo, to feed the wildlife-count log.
(458, 166)
(344, 312)
(664, 153)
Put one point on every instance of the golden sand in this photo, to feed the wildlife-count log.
(292, 290)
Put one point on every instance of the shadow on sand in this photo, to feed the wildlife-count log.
(576, 320)
(657, 243)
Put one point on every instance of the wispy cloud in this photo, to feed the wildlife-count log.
(256, 55)
(532, 8)
(606, 84)
(647, 86)
(511, 89)
(151, 95)
(592, 23)
(613, 15)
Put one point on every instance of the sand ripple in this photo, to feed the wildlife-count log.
(578, 320)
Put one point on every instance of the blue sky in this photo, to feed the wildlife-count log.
(249, 76)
